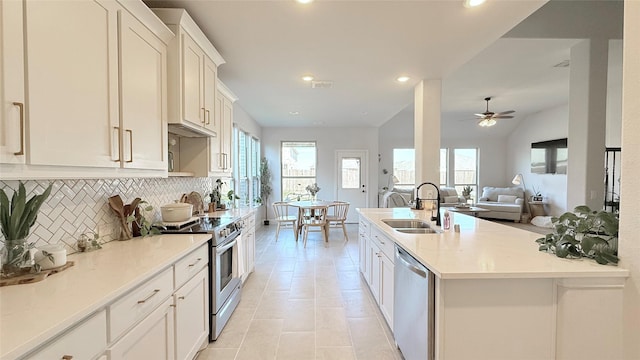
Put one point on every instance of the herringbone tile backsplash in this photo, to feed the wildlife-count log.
(77, 206)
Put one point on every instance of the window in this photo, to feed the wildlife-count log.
(298, 168)
(246, 167)
(465, 162)
(404, 168)
(444, 166)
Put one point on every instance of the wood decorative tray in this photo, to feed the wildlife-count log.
(33, 277)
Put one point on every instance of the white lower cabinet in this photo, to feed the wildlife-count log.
(152, 338)
(153, 320)
(377, 267)
(86, 340)
(192, 315)
(249, 245)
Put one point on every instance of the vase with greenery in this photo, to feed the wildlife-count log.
(231, 195)
(265, 187)
(584, 233)
(466, 192)
(17, 216)
(140, 225)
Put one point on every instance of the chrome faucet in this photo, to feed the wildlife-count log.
(418, 201)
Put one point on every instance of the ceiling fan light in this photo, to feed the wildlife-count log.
(473, 3)
(487, 122)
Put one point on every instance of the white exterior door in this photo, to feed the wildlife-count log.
(352, 181)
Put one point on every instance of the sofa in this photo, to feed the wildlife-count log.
(502, 203)
(400, 197)
(449, 197)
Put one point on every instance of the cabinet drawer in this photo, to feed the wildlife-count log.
(364, 228)
(186, 268)
(85, 341)
(384, 243)
(137, 304)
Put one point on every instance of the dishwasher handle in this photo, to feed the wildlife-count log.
(406, 260)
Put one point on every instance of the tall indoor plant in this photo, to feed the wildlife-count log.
(17, 216)
(265, 187)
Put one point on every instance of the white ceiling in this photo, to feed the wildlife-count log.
(362, 46)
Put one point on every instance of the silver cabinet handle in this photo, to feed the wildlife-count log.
(21, 108)
(204, 115)
(149, 297)
(208, 113)
(195, 262)
(67, 357)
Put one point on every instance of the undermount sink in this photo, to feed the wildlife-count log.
(407, 223)
(419, 231)
(411, 226)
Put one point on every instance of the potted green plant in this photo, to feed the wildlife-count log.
(584, 233)
(265, 187)
(466, 192)
(17, 216)
(232, 198)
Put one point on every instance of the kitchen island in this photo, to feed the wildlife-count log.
(497, 296)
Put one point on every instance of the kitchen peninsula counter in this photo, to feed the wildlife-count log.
(496, 296)
(30, 314)
(483, 249)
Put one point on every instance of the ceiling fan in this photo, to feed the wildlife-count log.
(488, 118)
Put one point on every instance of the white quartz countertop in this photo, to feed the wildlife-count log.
(484, 250)
(32, 313)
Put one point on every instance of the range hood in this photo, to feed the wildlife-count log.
(186, 131)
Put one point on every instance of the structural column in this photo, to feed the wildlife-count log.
(427, 132)
(587, 123)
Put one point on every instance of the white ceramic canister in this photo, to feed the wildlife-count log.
(176, 212)
(57, 252)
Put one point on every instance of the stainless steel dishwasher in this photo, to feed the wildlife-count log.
(413, 307)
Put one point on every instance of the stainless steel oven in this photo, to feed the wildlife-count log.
(226, 287)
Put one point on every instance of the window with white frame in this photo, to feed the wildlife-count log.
(465, 166)
(298, 164)
(444, 167)
(247, 155)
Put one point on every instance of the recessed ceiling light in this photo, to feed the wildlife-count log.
(294, 113)
(304, 1)
(403, 78)
(307, 77)
(473, 3)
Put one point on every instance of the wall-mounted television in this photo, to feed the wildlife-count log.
(549, 157)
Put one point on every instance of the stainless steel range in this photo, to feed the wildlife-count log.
(225, 284)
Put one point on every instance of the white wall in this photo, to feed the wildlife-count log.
(328, 140)
(245, 122)
(629, 241)
(545, 125)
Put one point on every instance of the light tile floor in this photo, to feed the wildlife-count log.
(305, 303)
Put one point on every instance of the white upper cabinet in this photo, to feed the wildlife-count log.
(12, 117)
(221, 162)
(72, 67)
(94, 89)
(143, 92)
(192, 70)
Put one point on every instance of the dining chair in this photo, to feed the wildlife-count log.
(282, 217)
(314, 217)
(338, 215)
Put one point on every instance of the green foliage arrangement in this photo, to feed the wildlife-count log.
(139, 223)
(584, 233)
(466, 191)
(19, 215)
(265, 186)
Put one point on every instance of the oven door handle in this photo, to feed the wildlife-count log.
(221, 250)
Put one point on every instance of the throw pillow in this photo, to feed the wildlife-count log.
(451, 199)
(507, 199)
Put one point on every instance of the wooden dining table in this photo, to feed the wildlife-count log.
(311, 205)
